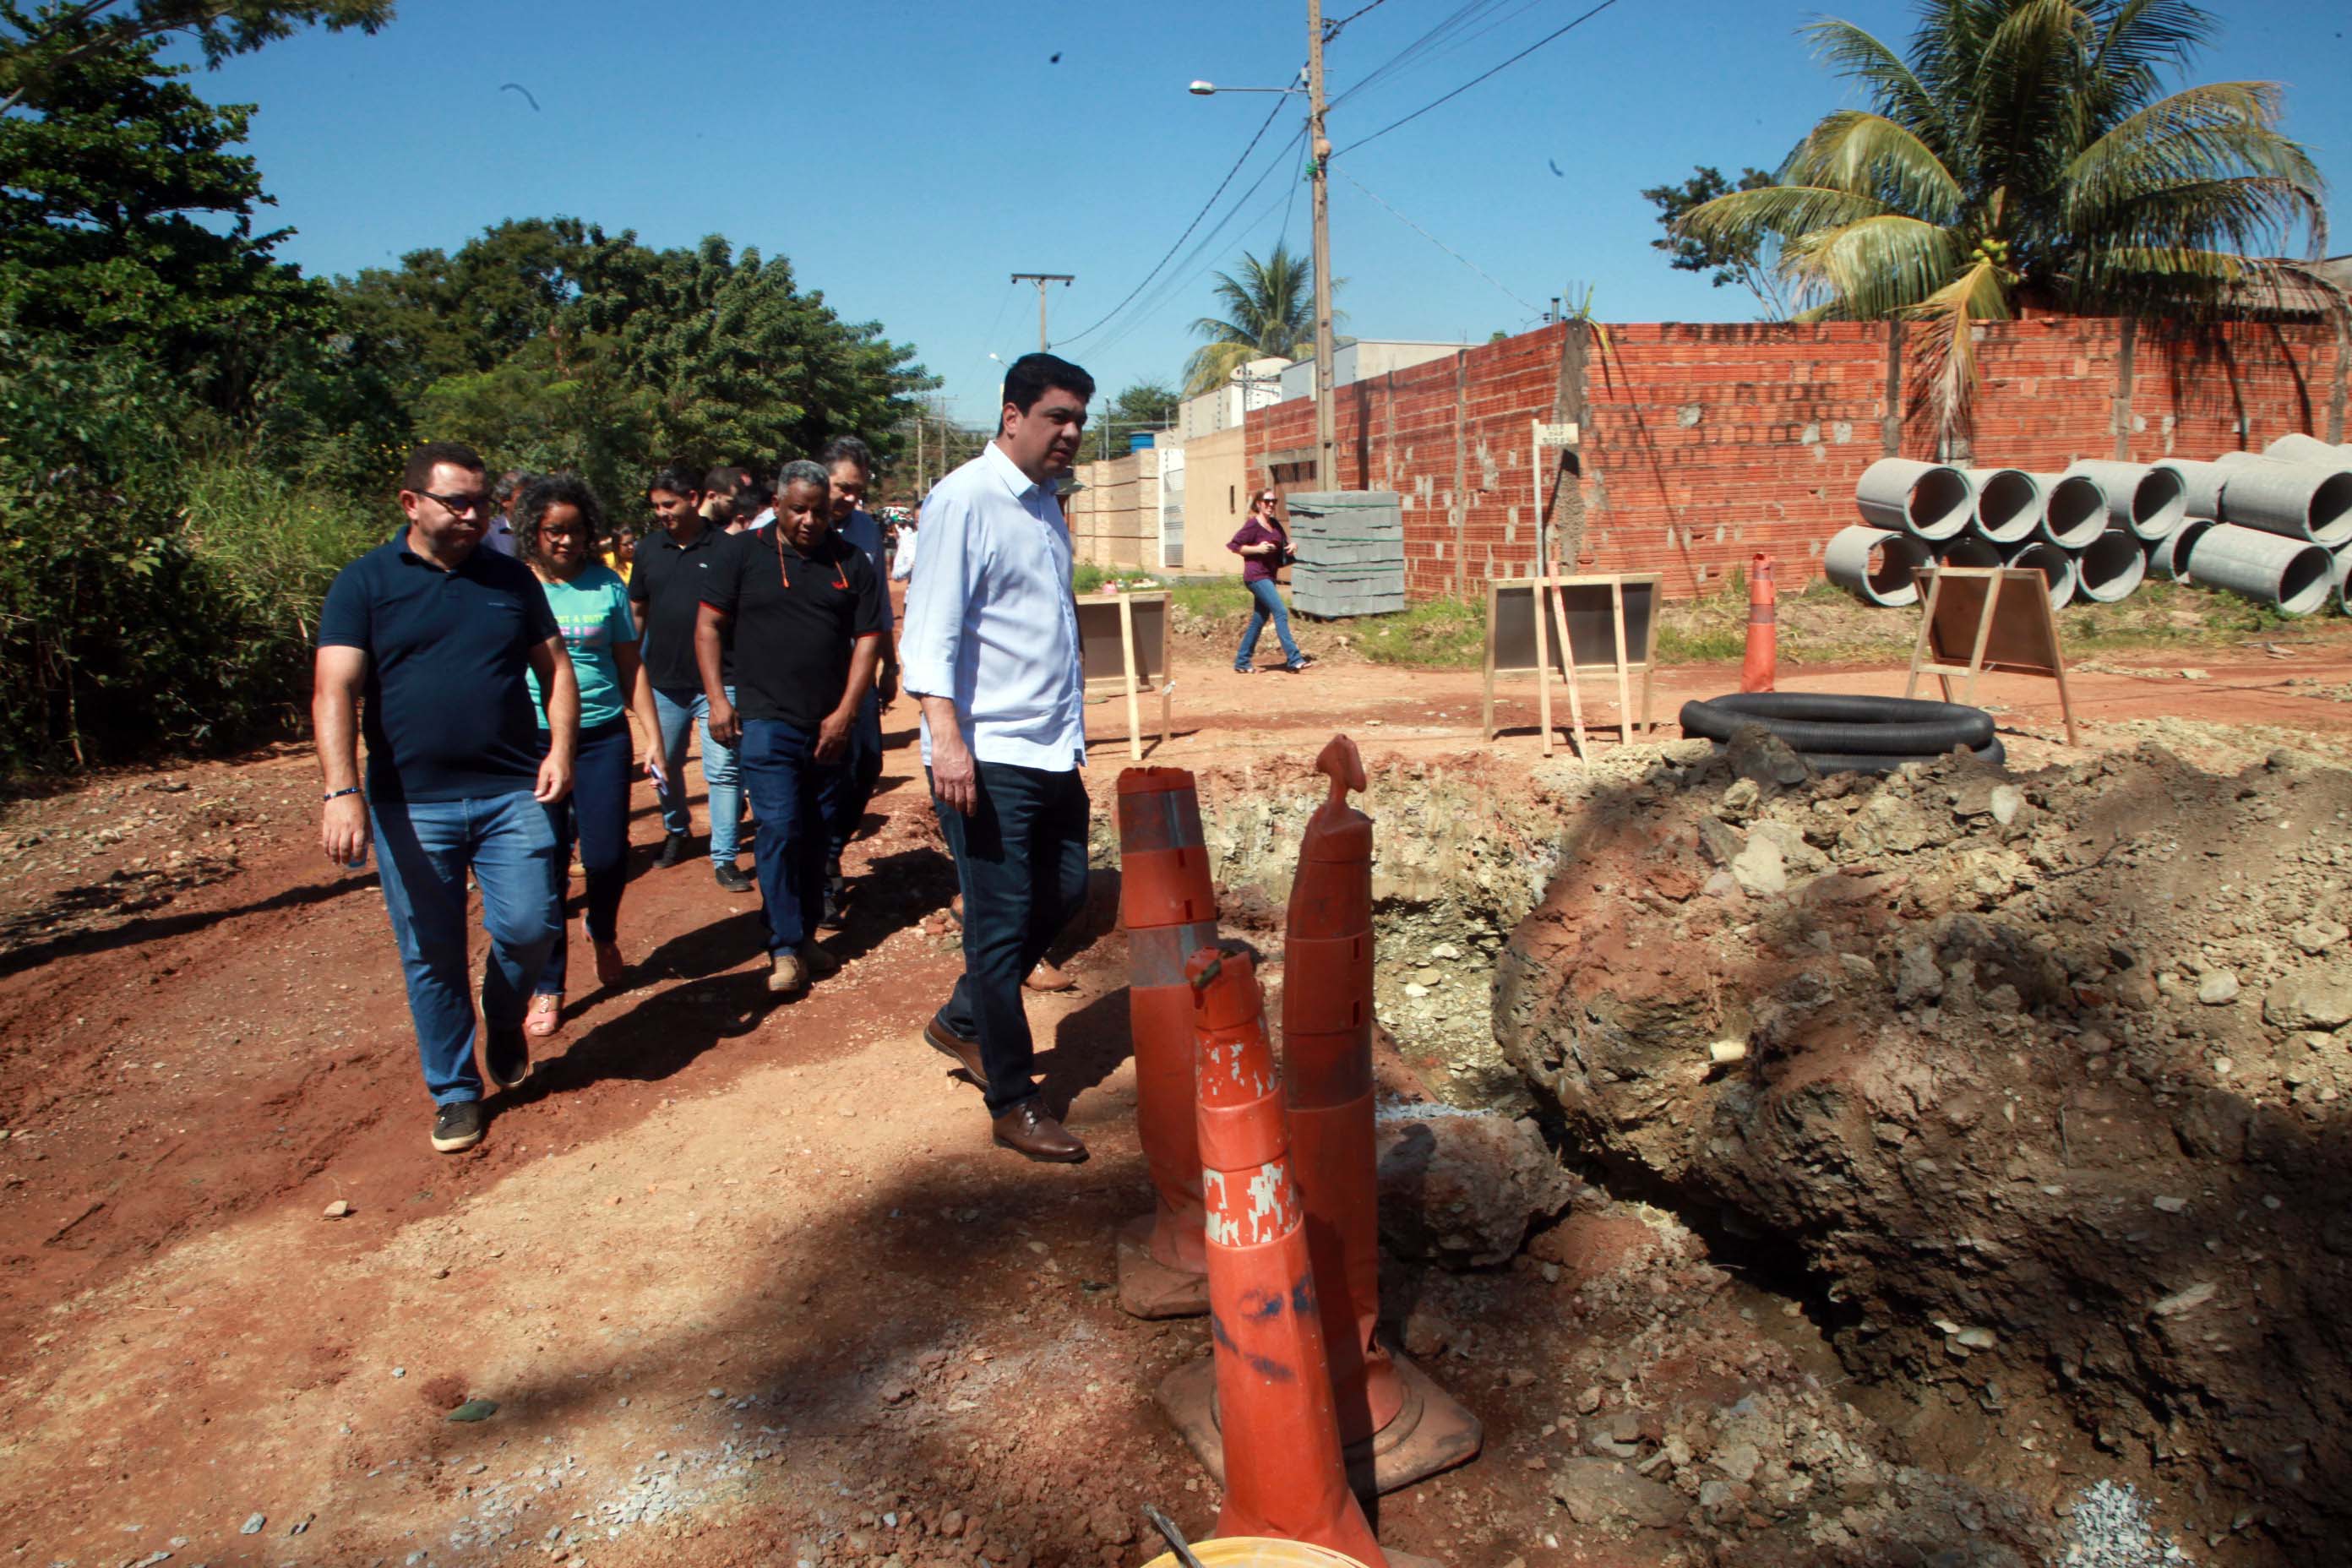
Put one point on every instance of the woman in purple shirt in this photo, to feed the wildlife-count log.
(1263, 546)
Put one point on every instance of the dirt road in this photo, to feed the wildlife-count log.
(745, 1273)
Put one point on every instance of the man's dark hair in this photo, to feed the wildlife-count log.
(556, 489)
(678, 480)
(423, 458)
(725, 479)
(847, 449)
(510, 485)
(1026, 379)
(752, 499)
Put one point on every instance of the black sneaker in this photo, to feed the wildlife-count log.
(457, 1125)
(731, 878)
(674, 849)
(506, 1055)
(836, 905)
(1301, 662)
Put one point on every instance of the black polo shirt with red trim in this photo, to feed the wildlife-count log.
(795, 619)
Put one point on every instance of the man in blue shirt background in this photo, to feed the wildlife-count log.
(432, 634)
(848, 464)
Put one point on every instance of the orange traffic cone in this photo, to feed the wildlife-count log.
(1283, 1474)
(1169, 906)
(1763, 628)
(1398, 1426)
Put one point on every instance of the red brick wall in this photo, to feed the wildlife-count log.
(1703, 444)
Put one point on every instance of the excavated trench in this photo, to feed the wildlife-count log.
(2016, 1096)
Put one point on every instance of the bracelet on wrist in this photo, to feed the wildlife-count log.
(338, 794)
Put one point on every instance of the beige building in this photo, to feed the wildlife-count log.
(1165, 509)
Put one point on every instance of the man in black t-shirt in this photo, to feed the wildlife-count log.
(433, 633)
(808, 616)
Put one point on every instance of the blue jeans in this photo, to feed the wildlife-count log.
(674, 710)
(1269, 603)
(596, 816)
(1021, 864)
(864, 769)
(423, 850)
(792, 795)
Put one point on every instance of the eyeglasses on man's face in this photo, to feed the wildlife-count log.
(460, 504)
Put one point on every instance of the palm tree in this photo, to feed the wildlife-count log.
(2027, 154)
(1270, 313)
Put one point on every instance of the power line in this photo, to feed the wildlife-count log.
(1452, 23)
(1188, 227)
(1180, 275)
(1433, 239)
(1331, 29)
(1482, 76)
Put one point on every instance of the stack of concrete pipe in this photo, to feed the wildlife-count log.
(2275, 526)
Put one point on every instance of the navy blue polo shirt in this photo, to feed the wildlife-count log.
(667, 586)
(448, 714)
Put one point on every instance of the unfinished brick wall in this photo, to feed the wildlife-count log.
(1703, 444)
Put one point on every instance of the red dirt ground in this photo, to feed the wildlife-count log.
(742, 1272)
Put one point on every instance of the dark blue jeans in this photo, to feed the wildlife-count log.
(1021, 864)
(1269, 604)
(423, 851)
(680, 712)
(863, 771)
(596, 816)
(792, 795)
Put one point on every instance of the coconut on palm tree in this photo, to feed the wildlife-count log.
(2026, 154)
(1270, 314)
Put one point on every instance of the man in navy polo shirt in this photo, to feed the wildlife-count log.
(809, 617)
(433, 633)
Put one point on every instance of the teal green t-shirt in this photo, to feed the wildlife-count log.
(592, 610)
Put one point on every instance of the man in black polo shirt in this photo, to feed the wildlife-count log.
(434, 633)
(808, 617)
(665, 590)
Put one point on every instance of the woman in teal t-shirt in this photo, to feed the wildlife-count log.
(557, 525)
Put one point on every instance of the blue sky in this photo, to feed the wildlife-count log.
(909, 155)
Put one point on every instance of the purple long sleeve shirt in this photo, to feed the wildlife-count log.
(1254, 531)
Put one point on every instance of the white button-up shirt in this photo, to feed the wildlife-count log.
(991, 621)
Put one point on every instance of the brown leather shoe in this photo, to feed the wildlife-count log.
(1048, 977)
(965, 1053)
(1026, 1130)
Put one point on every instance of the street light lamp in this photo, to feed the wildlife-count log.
(1326, 442)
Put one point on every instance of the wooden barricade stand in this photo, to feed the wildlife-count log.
(1123, 651)
(1569, 629)
(1987, 617)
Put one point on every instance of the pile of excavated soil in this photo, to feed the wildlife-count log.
(2033, 1082)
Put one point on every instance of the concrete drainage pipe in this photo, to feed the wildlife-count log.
(2297, 501)
(1968, 551)
(2292, 575)
(1927, 500)
(2201, 487)
(2009, 504)
(2343, 574)
(2073, 509)
(2111, 569)
(2149, 501)
(2055, 565)
(1874, 566)
(2169, 557)
(2308, 449)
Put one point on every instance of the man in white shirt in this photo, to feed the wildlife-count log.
(990, 648)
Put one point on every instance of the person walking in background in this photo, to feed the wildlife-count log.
(1264, 545)
(848, 464)
(990, 650)
(902, 549)
(429, 644)
(620, 553)
(555, 520)
(502, 534)
(808, 617)
(674, 564)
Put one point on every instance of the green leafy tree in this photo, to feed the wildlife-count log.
(127, 219)
(1748, 261)
(1269, 313)
(1145, 405)
(36, 42)
(2026, 153)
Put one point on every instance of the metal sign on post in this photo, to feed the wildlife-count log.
(1543, 434)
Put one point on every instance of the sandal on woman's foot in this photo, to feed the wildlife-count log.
(546, 1016)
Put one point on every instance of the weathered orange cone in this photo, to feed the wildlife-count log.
(1397, 1426)
(1169, 906)
(1283, 1475)
(1763, 628)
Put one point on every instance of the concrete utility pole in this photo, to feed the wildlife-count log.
(1041, 280)
(1327, 440)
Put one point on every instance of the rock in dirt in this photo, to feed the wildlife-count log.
(1461, 1189)
(336, 1210)
(1599, 1492)
(1758, 754)
(2315, 999)
(1760, 869)
(474, 1410)
(253, 1523)
(2217, 988)
(2316, 937)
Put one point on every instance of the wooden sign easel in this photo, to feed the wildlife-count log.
(1569, 628)
(1988, 617)
(1123, 650)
